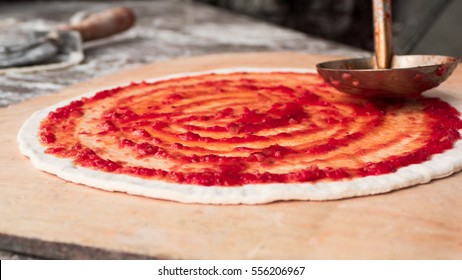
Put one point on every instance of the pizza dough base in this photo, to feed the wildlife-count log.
(440, 165)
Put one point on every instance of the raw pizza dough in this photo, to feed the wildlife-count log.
(440, 165)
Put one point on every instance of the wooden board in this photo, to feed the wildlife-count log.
(415, 223)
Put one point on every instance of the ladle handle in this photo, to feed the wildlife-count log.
(382, 33)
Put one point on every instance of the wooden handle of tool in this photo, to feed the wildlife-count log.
(104, 24)
(382, 33)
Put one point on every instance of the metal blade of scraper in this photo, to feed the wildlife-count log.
(63, 47)
(15, 54)
(31, 55)
(47, 50)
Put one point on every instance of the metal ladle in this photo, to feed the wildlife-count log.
(385, 74)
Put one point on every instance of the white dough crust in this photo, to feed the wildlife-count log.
(440, 165)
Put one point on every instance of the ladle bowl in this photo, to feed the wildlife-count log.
(408, 76)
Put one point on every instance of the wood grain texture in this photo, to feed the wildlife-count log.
(423, 222)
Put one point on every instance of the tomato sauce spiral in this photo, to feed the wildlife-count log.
(245, 128)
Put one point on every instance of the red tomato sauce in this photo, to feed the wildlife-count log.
(245, 128)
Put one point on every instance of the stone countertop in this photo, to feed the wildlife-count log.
(164, 30)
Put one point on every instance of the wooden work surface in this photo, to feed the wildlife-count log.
(39, 211)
